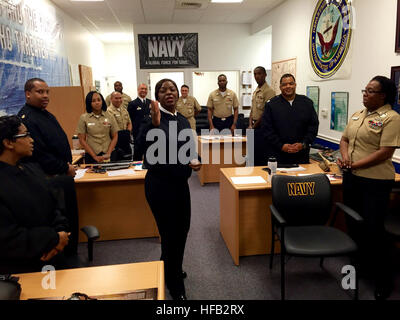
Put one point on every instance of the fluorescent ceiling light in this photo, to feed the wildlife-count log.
(226, 1)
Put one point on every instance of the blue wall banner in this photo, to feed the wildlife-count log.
(168, 50)
(330, 36)
(31, 45)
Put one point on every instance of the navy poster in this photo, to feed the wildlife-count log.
(31, 45)
(168, 50)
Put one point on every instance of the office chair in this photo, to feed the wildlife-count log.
(123, 147)
(299, 215)
(63, 188)
(392, 221)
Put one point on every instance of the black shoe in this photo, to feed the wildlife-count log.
(183, 275)
(180, 297)
(382, 292)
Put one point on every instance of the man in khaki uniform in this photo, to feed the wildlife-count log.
(221, 104)
(261, 95)
(125, 98)
(188, 106)
(121, 115)
(124, 124)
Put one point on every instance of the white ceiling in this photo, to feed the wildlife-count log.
(118, 16)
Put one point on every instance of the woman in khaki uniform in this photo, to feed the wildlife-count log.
(97, 130)
(367, 147)
(188, 106)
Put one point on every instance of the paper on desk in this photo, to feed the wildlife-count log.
(139, 167)
(291, 169)
(123, 172)
(248, 180)
(80, 173)
(210, 137)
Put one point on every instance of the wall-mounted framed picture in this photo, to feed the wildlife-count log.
(395, 76)
(313, 94)
(339, 110)
(397, 46)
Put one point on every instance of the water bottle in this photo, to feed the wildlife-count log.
(75, 142)
(272, 165)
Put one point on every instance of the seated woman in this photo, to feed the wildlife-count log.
(33, 230)
(97, 130)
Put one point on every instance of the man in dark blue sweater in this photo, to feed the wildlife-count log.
(290, 124)
(52, 150)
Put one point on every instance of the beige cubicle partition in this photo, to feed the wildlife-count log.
(67, 105)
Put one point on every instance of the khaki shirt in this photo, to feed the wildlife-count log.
(121, 117)
(125, 100)
(260, 97)
(367, 134)
(222, 106)
(188, 108)
(98, 130)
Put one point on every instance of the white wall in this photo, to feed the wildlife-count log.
(121, 66)
(228, 47)
(372, 49)
(83, 47)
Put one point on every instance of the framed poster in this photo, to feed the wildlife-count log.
(397, 45)
(340, 110)
(395, 76)
(313, 94)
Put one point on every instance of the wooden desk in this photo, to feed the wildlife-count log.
(245, 219)
(117, 206)
(105, 280)
(76, 158)
(207, 149)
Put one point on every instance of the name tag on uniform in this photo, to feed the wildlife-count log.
(91, 124)
(139, 108)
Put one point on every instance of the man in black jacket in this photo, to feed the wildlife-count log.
(52, 150)
(290, 124)
(139, 110)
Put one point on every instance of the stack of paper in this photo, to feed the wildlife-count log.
(291, 169)
(117, 173)
(80, 173)
(248, 180)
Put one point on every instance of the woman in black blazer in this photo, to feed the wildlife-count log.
(166, 183)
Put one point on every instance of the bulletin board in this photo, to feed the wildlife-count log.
(280, 68)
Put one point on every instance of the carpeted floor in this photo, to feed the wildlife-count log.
(212, 274)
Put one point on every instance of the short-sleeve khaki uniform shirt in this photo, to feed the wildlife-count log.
(187, 108)
(223, 106)
(98, 129)
(260, 97)
(367, 134)
(121, 116)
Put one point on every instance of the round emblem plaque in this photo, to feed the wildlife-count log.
(330, 36)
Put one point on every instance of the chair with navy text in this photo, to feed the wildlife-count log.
(300, 213)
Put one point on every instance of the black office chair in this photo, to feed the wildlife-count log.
(63, 188)
(299, 216)
(392, 220)
(123, 147)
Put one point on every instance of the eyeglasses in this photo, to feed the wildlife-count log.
(369, 91)
(22, 135)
